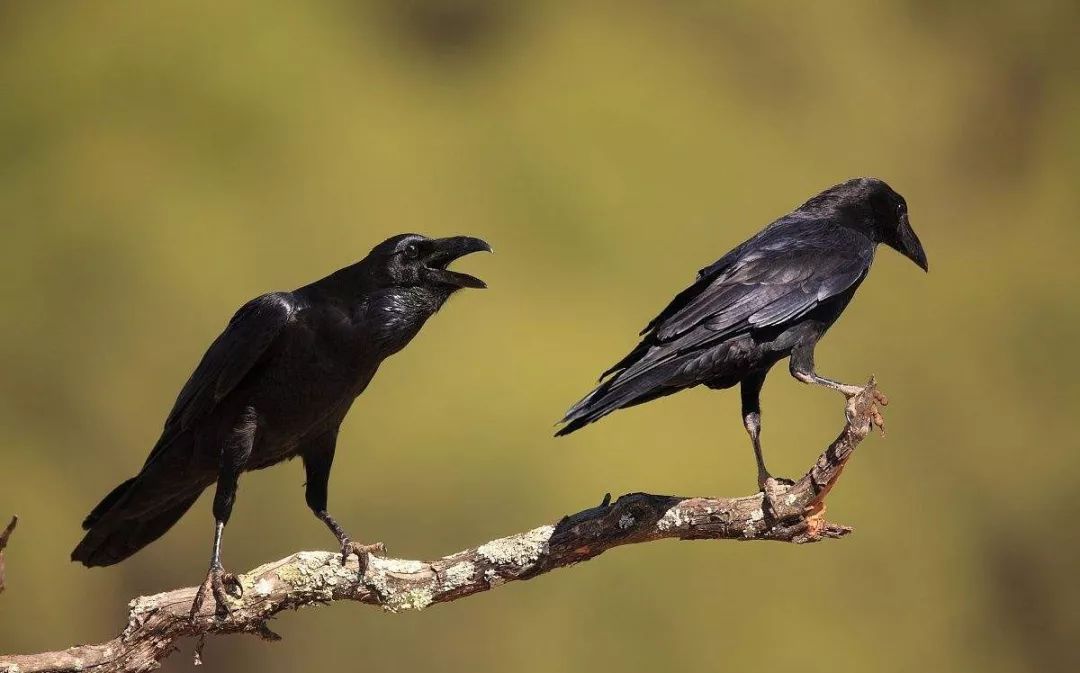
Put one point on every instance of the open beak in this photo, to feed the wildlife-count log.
(910, 246)
(445, 251)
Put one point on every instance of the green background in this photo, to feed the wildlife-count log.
(162, 162)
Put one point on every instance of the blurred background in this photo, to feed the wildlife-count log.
(161, 163)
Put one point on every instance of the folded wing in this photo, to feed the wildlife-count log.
(235, 352)
(772, 280)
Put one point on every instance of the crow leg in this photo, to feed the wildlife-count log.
(771, 487)
(751, 415)
(234, 456)
(318, 457)
(802, 368)
(217, 580)
(348, 547)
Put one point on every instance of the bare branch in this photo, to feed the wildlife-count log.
(156, 623)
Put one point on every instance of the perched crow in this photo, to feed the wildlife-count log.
(772, 297)
(276, 384)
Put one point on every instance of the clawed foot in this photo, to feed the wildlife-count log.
(880, 400)
(363, 552)
(218, 582)
(773, 490)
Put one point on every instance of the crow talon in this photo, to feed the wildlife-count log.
(217, 583)
(773, 490)
(877, 420)
(231, 585)
(363, 552)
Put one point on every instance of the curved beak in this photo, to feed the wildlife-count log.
(446, 250)
(910, 246)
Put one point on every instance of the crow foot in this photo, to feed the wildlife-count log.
(363, 552)
(880, 400)
(218, 583)
(774, 491)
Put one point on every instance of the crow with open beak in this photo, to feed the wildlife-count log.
(276, 384)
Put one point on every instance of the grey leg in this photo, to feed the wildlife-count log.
(318, 457)
(751, 414)
(802, 368)
(234, 457)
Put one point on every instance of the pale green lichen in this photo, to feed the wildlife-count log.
(378, 581)
(313, 559)
(291, 575)
(397, 565)
(385, 576)
(315, 572)
(519, 550)
(414, 598)
(458, 575)
(626, 521)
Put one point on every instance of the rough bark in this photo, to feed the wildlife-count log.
(156, 623)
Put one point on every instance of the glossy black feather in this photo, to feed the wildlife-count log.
(231, 357)
(282, 375)
(783, 287)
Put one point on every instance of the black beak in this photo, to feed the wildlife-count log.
(446, 250)
(910, 246)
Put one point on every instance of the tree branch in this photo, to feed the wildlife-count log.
(4, 537)
(156, 623)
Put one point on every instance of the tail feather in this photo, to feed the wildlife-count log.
(107, 503)
(619, 392)
(111, 537)
(141, 509)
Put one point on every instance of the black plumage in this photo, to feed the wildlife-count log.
(772, 297)
(276, 384)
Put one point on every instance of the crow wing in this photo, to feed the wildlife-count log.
(773, 279)
(234, 353)
(142, 508)
(776, 277)
(782, 273)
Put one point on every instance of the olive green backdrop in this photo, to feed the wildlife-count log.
(162, 162)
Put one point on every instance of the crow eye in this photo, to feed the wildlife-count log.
(412, 251)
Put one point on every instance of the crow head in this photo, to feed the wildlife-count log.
(871, 206)
(412, 260)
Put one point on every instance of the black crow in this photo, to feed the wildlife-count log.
(276, 384)
(772, 297)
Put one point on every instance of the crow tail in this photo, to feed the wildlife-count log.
(619, 392)
(107, 503)
(113, 534)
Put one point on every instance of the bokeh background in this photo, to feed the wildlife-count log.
(161, 163)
